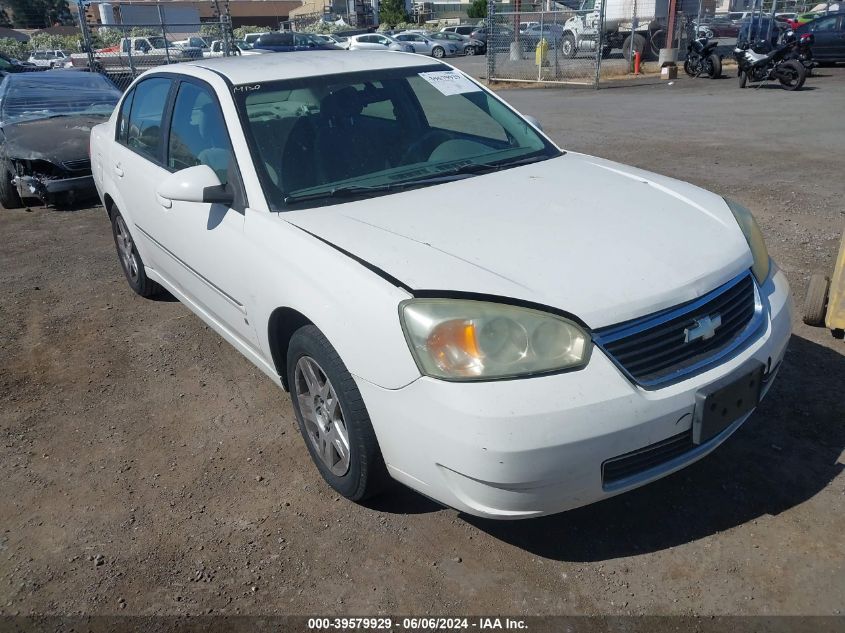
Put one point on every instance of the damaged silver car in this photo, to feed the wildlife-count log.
(45, 125)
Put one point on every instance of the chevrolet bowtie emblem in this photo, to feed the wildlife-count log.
(704, 328)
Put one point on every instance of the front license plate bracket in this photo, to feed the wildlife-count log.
(720, 404)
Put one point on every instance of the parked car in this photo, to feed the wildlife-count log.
(523, 26)
(465, 44)
(425, 45)
(338, 40)
(719, 26)
(45, 123)
(289, 41)
(438, 314)
(377, 42)
(828, 37)
(250, 38)
(12, 65)
(504, 37)
(460, 29)
(194, 41)
(760, 29)
(240, 47)
(50, 59)
(552, 33)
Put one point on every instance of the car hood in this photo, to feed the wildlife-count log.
(55, 140)
(599, 240)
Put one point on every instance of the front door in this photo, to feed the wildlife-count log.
(205, 241)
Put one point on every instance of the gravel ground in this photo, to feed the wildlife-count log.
(147, 468)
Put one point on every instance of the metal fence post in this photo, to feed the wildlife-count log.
(600, 45)
(87, 40)
(491, 39)
(163, 32)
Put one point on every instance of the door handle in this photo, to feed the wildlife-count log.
(118, 170)
(165, 202)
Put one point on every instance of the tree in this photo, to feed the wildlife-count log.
(392, 12)
(38, 14)
(478, 9)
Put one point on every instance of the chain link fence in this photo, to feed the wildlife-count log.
(599, 40)
(130, 39)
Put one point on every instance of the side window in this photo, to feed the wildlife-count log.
(123, 117)
(145, 133)
(827, 24)
(198, 132)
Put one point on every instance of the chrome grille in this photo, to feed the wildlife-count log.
(77, 165)
(662, 347)
(633, 463)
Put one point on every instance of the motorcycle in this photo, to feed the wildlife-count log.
(702, 58)
(776, 65)
(803, 50)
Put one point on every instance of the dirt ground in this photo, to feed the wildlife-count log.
(147, 468)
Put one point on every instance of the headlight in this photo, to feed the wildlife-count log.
(754, 237)
(476, 340)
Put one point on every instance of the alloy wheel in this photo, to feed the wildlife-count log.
(126, 250)
(322, 415)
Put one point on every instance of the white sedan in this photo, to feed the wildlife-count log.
(452, 301)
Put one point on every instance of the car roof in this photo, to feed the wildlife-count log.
(250, 69)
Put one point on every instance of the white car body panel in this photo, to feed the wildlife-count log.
(632, 244)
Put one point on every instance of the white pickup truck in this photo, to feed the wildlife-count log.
(138, 53)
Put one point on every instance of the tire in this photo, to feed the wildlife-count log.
(334, 412)
(470, 50)
(637, 41)
(815, 303)
(715, 66)
(688, 69)
(567, 46)
(655, 43)
(130, 259)
(438, 52)
(606, 51)
(799, 75)
(743, 79)
(9, 197)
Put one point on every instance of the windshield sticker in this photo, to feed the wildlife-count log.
(450, 82)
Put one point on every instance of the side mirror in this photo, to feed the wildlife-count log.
(533, 121)
(195, 184)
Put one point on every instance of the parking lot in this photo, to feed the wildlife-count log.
(147, 468)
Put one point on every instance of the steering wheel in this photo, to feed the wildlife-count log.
(434, 137)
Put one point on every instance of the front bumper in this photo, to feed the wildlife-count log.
(29, 186)
(521, 448)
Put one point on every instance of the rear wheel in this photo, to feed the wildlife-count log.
(815, 303)
(332, 417)
(635, 42)
(130, 259)
(792, 75)
(9, 197)
(715, 66)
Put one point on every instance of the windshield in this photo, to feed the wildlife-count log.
(57, 93)
(160, 42)
(378, 131)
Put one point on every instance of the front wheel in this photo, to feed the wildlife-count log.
(9, 197)
(715, 70)
(567, 46)
(438, 52)
(470, 50)
(743, 79)
(792, 75)
(689, 68)
(332, 417)
(815, 303)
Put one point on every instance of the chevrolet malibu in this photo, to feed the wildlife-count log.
(451, 300)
